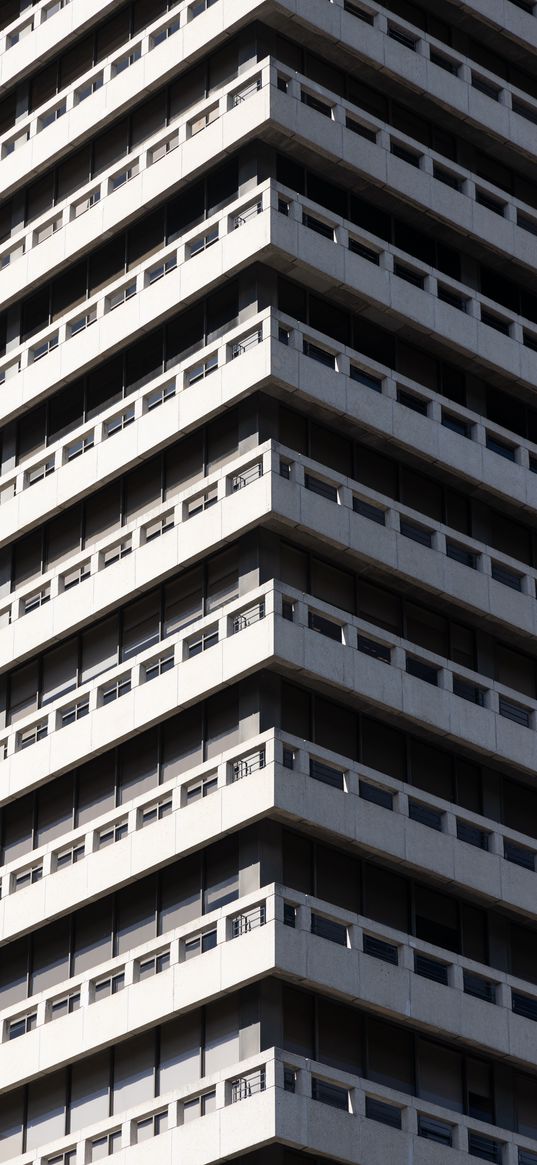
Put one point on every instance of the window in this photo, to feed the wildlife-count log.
(181, 744)
(380, 607)
(339, 1036)
(315, 103)
(28, 736)
(106, 264)
(199, 1106)
(11, 1123)
(31, 435)
(111, 985)
(199, 944)
(92, 936)
(386, 1114)
(154, 965)
(202, 501)
(200, 788)
(113, 33)
(383, 748)
(439, 1075)
(431, 769)
(159, 396)
(46, 1118)
(222, 877)
(386, 897)
(221, 1034)
(159, 666)
(134, 1065)
(27, 558)
(203, 120)
(65, 1005)
(332, 585)
(99, 649)
(180, 1048)
(68, 290)
(117, 552)
(183, 601)
(151, 1126)
(141, 625)
(23, 692)
(144, 238)
(105, 1146)
(479, 1095)
(376, 795)
(222, 723)
(526, 1105)
(156, 812)
(333, 1094)
(69, 856)
(436, 919)
(143, 361)
(76, 61)
(515, 670)
(136, 915)
(17, 828)
(102, 514)
(137, 768)
(27, 877)
(96, 788)
(222, 579)
(39, 196)
(390, 1055)
(298, 1022)
(19, 1027)
(59, 671)
(35, 313)
(68, 1157)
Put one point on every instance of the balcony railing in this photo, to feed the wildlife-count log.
(352, 932)
(154, 149)
(169, 951)
(119, 682)
(321, 619)
(64, 576)
(444, 171)
(468, 552)
(424, 809)
(115, 295)
(370, 248)
(448, 59)
(260, 1081)
(157, 805)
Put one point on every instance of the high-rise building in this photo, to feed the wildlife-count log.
(268, 728)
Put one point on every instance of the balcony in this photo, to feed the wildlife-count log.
(257, 928)
(287, 1096)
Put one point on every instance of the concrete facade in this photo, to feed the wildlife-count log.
(268, 571)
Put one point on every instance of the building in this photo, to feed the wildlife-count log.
(268, 559)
